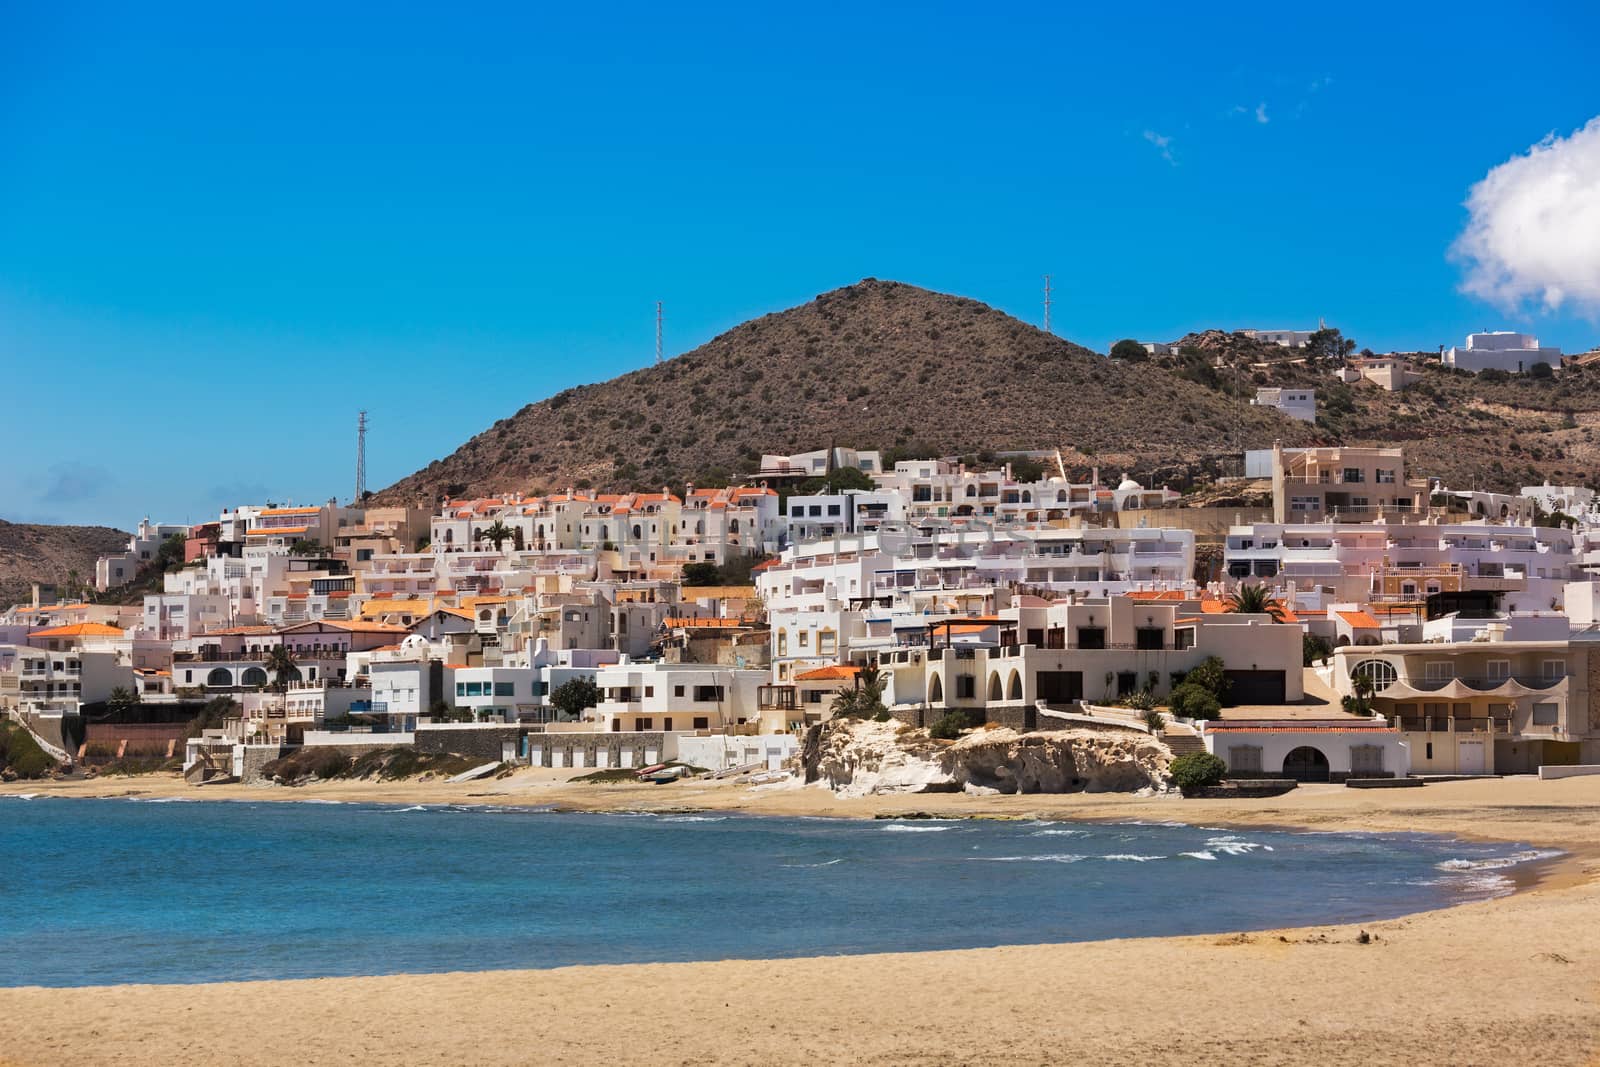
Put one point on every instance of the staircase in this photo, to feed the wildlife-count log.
(1183, 744)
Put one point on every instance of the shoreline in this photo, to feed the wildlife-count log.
(1531, 957)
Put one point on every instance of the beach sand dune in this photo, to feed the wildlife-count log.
(1515, 979)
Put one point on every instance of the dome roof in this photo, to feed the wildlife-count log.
(1129, 483)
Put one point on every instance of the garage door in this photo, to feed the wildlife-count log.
(1256, 687)
(1470, 757)
(1060, 687)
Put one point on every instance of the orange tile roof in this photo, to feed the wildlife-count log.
(289, 511)
(275, 531)
(837, 671)
(80, 629)
(1360, 620)
(1213, 607)
(688, 623)
(1163, 594)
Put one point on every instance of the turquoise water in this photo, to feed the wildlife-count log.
(105, 891)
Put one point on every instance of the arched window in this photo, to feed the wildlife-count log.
(1408, 588)
(637, 532)
(253, 676)
(449, 535)
(935, 690)
(1015, 689)
(733, 526)
(219, 677)
(1027, 496)
(972, 490)
(995, 691)
(1061, 496)
(1380, 672)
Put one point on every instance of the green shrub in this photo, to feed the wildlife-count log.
(1191, 701)
(1211, 676)
(22, 754)
(1154, 720)
(1314, 650)
(1197, 770)
(1143, 700)
(949, 727)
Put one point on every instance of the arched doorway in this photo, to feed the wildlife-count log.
(995, 692)
(1306, 764)
(1016, 687)
(935, 690)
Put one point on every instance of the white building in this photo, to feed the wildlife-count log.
(852, 511)
(669, 697)
(1296, 403)
(816, 463)
(120, 569)
(1515, 353)
(1284, 338)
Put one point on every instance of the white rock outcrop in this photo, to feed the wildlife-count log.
(855, 758)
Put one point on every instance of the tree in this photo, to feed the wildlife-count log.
(1541, 370)
(1129, 351)
(837, 482)
(1191, 701)
(1314, 649)
(217, 711)
(306, 546)
(1329, 345)
(701, 574)
(169, 556)
(865, 699)
(1255, 599)
(496, 534)
(949, 726)
(1211, 675)
(574, 697)
(122, 698)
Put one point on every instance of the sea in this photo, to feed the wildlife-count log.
(172, 891)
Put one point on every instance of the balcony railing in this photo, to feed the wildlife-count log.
(1484, 683)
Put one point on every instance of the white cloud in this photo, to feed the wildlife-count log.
(1261, 113)
(1534, 227)
(1163, 145)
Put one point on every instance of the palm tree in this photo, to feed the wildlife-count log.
(1255, 600)
(280, 661)
(865, 699)
(498, 533)
(122, 698)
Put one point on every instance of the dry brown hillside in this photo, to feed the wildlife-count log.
(873, 365)
(51, 554)
(1491, 431)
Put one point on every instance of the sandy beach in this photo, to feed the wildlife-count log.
(1477, 983)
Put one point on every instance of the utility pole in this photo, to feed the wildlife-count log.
(1047, 303)
(658, 331)
(361, 458)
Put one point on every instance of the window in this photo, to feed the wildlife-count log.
(1244, 759)
(1147, 638)
(1544, 713)
(1354, 474)
(1127, 682)
(1497, 670)
(677, 690)
(827, 642)
(1380, 673)
(783, 650)
(461, 689)
(1091, 637)
(805, 638)
(646, 723)
(701, 722)
(833, 509)
(666, 723)
(704, 693)
(1384, 477)
(649, 690)
(1439, 671)
(1554, 670)
(966, 686)
(505, 689)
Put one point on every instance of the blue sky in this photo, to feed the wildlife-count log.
(223, 231)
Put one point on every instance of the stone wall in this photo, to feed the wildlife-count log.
(475, 741)
(257, 757)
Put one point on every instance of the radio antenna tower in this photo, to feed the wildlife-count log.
(361, 457)
(658, 331)
(1047, 303)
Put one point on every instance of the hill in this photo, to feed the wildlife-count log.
(31, 553)
(1491, 431)
(873, 365)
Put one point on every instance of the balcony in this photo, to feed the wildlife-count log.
(1484, 683)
